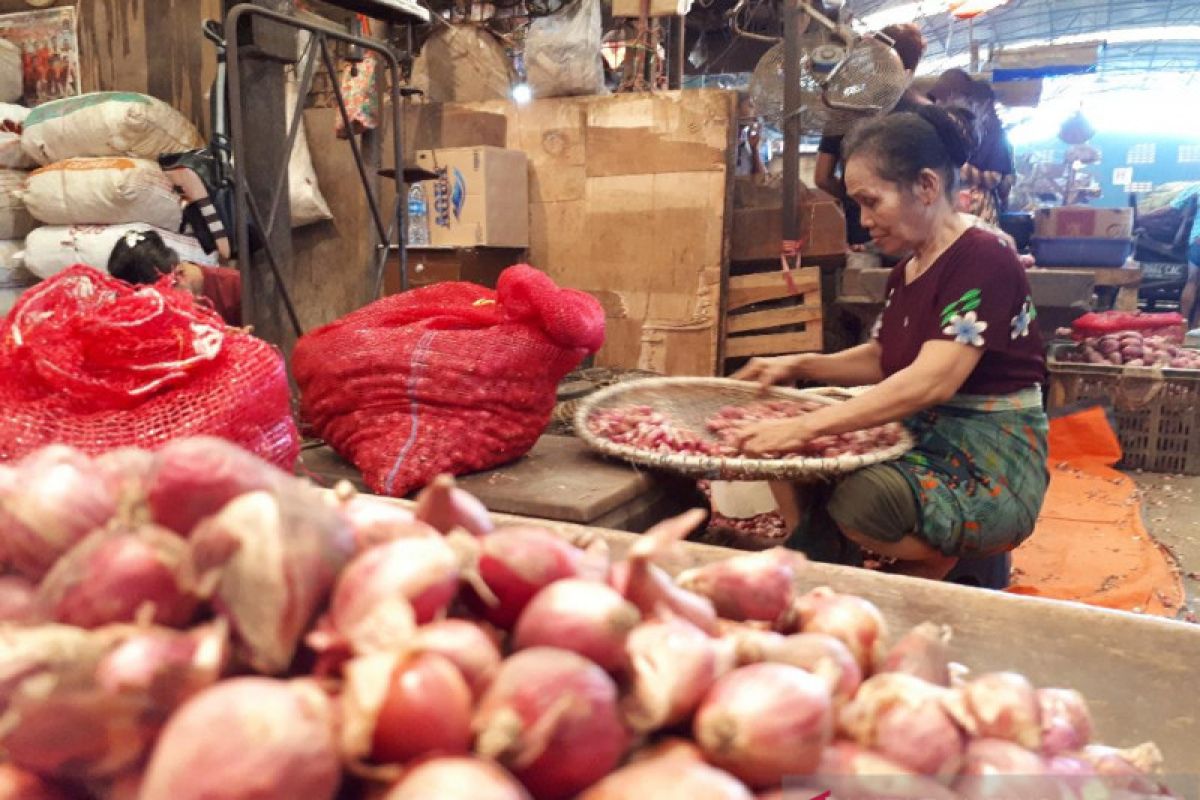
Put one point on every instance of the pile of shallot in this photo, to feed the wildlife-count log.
(194, 624)
(647, 429)
(1133, 349)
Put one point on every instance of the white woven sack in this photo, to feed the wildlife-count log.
(14, 278)
(103, 191)
(12, 155)
(304, 193)
(51, 249)
(107, 124)
(12, 72)
(15, 220)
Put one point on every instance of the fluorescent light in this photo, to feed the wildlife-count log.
(522, 94)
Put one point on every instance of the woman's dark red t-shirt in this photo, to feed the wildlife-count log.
(975, 293)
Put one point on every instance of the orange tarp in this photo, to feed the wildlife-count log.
(1090, 544)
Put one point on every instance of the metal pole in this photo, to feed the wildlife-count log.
(793, 28)
(676, 53)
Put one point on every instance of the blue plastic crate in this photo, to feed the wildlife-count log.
(1082, 252)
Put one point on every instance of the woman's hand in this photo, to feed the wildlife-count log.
(774, 436)
(773, 371)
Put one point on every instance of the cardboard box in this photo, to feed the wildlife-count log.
(480, 199)
(1083, 222)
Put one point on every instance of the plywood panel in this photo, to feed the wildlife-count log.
(151, 47)
(760, 287)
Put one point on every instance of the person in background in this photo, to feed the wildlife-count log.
(142, 257)
(988, 176)
(955, 355)
(909, 44)
(1187, 301)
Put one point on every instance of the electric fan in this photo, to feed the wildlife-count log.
(844, 77)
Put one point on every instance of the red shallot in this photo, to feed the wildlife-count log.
(899, 716)
(668, 777)
(112, 574)
(52, 500)
(376, 520)
(995, 768)
(247, 739)
(764, 722)
(923, 652)
(194, 478)
(445, 506)
(399, 707)
(885, 779)
(272, 560)
(17, 598)
(516, 563)
(18, 784)
(172, 665)
(672, 666)
(583, 616)
(999, 705)
(457, 778)
(550, 716)
(650, 588)
(1066, 720)
(857, 622)
(819, 653)
(466, 645)
(127, 472)
(758, 586)
(1129, 769)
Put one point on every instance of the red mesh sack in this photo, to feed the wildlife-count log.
(1101, 323)
(448, 378)
(93, 362)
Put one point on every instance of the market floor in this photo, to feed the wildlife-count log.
(1171, 511)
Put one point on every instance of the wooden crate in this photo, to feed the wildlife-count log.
(765, 316)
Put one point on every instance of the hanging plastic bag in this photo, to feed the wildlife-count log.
(562, 52)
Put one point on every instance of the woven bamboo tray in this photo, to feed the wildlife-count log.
(691, 402)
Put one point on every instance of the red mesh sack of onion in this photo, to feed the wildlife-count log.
(450, 378)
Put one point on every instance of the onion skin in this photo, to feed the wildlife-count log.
(466, 645)
(457, 778)
(53, 499)
(271, 560)
(1066, 721)
(672, 666)
(857, 622)
(247, 739)
(374, 520)
(586, 617)
(169, 665)
(517, 563)
(923, 652)
(759, 586)
(764, 722)
(650, 588)
(427, 710)
(842, 761)
(113, 573)
(551, 717)
(999, 705)
(446, 507)
(995, 768)
(422, 572)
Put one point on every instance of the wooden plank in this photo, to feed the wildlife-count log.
(773, 344)
(560, 478)
(758, 320)
(760, 287)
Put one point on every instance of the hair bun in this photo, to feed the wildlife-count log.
(955, 129)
